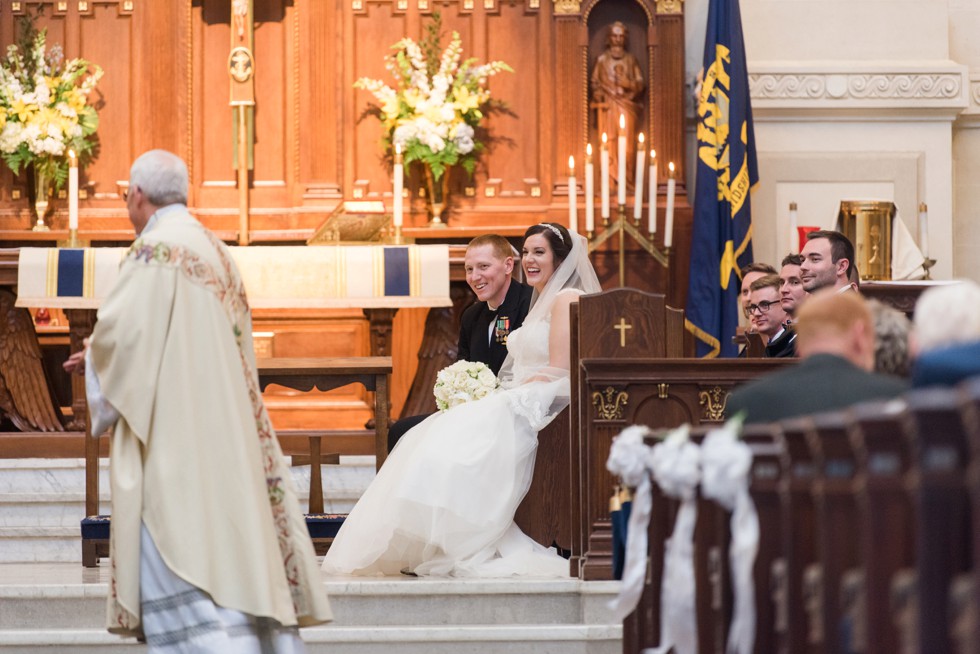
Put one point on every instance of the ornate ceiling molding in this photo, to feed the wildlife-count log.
(971, 116)
(862, 86)
(855, 91)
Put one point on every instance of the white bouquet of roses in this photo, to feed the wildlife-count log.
(463, 382)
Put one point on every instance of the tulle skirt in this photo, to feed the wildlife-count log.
(443, 503)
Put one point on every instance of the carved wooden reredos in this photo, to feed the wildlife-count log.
(166, 85)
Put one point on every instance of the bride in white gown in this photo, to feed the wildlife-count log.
(444, 502)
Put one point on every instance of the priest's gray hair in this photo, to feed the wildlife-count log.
(161, 176)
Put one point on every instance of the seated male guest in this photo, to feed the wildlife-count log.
(768, 317)
(750, 273)
(791, 293)
(836, 341)
(828, 262)
(502, 304)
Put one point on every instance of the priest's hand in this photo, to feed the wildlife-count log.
(76, 362)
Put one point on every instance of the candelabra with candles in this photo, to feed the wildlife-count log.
(622, 225)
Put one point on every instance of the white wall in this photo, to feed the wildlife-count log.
(862, 99)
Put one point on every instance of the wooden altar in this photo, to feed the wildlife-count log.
(314, 146)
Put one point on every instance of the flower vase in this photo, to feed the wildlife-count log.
(41, 182)
(438, 196)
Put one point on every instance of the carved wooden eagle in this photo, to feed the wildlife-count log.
(25, 394)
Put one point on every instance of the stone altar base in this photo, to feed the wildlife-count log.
(59, 607)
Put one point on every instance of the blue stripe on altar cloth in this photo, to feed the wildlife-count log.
(396, 271)
(71, 273)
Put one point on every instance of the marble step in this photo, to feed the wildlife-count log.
(60, 607)
(492, 639)
(354, 603)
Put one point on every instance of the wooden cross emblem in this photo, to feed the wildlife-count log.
(622, 327)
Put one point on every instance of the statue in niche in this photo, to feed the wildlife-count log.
(617, 88)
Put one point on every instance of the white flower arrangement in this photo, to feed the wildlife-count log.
(462, 382)
(44, 109)
(436, 105)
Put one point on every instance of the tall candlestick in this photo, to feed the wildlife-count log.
(621, 161)
(396, 208)
(641, 155)
(669, 220)
(653, 192)
(589, 190)
(794, 237)
(604, 177)
(572, 197)
(924, 229)
(72, 190)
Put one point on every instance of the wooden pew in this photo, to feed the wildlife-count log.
(938, 442)
(768, 460)
(619, 324)
(712, 573)
(967, 631)
(837, 549)
(659, 393)
(799, 539)
(885, 516)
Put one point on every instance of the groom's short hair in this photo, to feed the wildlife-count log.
(501, 246)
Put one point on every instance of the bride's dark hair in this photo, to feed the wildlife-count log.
(558, 237)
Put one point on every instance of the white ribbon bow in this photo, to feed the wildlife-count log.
(726, 462)
(628, 458)
(675, 464)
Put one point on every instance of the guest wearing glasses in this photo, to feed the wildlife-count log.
(836, 342)
(768, 317)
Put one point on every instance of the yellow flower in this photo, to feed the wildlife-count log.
(390, 108)
(412, 97)
(3, 117)
(22, 110)
(465, 100)
(75, 99)
(52, 83)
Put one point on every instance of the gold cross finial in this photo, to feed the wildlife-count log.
(622, 327)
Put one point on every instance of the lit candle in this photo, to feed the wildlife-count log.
(621, 161)
(641, 155)
(653, 192)
(924, 229)
(794, 238)
(604, 177)
(396, 208)
(589, 190)
(72, 190)
(572, 197)
(669, 220)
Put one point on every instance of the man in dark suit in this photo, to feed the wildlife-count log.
(501, 306)
(768, 317)
(835, 340)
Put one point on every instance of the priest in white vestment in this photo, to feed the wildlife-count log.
(209, 548)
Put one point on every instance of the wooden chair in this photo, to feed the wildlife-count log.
(300, 374)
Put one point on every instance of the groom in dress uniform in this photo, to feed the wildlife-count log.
(502, 304)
